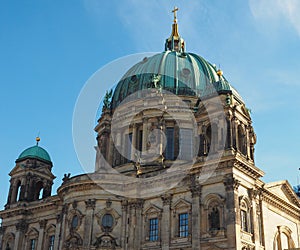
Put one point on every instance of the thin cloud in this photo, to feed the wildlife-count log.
(274, 11)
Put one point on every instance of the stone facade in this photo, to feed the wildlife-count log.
(153, 188)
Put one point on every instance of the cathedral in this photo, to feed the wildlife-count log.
(175, 169)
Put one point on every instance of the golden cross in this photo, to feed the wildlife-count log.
(175, 14)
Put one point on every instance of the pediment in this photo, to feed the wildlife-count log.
(181, 203)
(284, 190)
(152, 209)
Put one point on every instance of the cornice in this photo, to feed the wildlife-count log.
(281, 204)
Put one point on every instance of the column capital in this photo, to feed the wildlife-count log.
(195, 187)
(231, 183)
(90, 204)
(124, 204)
(43, 224)
(167, 199)
(22, 226)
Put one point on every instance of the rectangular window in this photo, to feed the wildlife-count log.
(244, 222)
(183, 225)
(32, 244)
(140, 140)
(51, 242)
(186, 144)
(128, 142)
(170, 144)
(153, 229)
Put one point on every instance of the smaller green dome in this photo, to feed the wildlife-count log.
(35, 152)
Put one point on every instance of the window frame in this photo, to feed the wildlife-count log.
(183, 225)
(153, 230)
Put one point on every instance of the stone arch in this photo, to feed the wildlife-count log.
(73, 242)
(214, 213)
(50, 236)
(281, 233)
(32, 236)
(8, 241)
(245, 214)
(74, 219)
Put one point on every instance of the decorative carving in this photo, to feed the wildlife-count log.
(66, 177)
(195, 187)
(90, 204)
(22, 226)
(43, 223)
(124, 204)
(167, 199)
(108, 203)
(230, 182)
(106, 241)
(74, 204)
(107, 100)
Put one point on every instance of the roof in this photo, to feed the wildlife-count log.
(181, 73)
(35, 152)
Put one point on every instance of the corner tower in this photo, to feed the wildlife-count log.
(31, 178)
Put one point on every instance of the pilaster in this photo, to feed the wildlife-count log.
(196, 191)
(166, 221)
(21, 228)
(232, 219)
(40, 242)
(88, 222)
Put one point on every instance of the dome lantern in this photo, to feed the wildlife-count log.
(175, 42)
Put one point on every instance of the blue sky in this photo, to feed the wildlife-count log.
(50, 48)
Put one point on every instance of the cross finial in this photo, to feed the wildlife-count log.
(175, 14)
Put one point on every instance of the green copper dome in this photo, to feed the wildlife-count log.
(35, 152)
(184, 74)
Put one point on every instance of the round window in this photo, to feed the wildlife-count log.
(107, 221)
(75, 220)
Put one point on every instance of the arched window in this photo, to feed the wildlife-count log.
(32, 238)
(214, 219)
(212, 138)
(169, 151)
(18, 192)
(242, 142)
(38, 190)
(283, 239)
(245, 214)
(214, 213)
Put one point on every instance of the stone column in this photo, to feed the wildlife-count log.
(124, 235)
(2, 231)
(40, 242)
(138, 225)
(88, 222)
(131, 226)
(21, 228)
(232, 219)
(235, 133)
(229, 134)
(133, 142)
(255, 227)
(196, 211)
(14, 190)
(62, 232)
(59, 218)
(145, 134)
(166, 222)
(9, 197)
